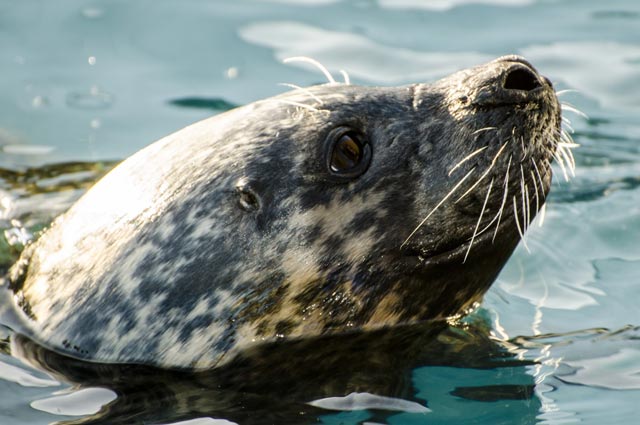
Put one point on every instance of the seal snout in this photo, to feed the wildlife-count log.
(520, 74)
(510, 80)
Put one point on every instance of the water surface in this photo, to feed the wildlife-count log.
(556, 341)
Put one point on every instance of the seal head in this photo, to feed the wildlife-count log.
(323, 210)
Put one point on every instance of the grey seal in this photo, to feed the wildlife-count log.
(325, 210)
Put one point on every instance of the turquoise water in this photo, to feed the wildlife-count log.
(556, 340)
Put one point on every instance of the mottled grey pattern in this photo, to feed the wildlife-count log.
(162, 263)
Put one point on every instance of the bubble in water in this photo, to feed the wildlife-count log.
(232, 73)
(35, 97)
(39, 102)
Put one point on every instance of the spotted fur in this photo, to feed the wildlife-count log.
(159, 263)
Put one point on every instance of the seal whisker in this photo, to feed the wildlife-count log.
(569, 145)
(570, 166)
(504, 198)
(475, 232)
(298, 104)
(567, 123)
(562, 92)
(568, 107)
(572, 159)
(566, 143)
(535, 167)
(483, 129)
(561, 163)
(543, 212)
(528, 199)
(304, 90)
(442, 201)
(345, 76)
(515, 215)
(566, 138)
(466, 158)
(528, 204)
(493, 162)
(485, 228)
(498, 215)
(313, 62)
(547, 163)
(525, 221)
(535, 186)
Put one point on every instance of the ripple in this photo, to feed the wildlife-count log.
(11, 373)
(365, 401)
(360, 56)
(202, 421)
(83, 402)
(618, 371)
(20, 149)
(440, 5)
(616, 14)
(304, 2)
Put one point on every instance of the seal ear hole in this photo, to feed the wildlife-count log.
(349, 153)
(247, 200)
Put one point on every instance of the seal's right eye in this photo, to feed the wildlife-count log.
(349, 154)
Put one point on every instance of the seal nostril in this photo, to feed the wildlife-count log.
(521, 79)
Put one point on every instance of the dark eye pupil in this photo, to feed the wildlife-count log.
(346, 154)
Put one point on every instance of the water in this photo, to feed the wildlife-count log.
(86, 83)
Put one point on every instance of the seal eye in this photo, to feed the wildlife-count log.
(349, 155)
(346, 154)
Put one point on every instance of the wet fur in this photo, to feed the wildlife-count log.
(160, 264)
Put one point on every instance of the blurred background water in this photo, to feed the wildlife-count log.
(86, 83)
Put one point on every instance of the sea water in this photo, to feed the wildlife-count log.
(84, 84)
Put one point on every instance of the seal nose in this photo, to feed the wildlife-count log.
(520, 74)
(521, 78)
(514, 59)
(508, 80)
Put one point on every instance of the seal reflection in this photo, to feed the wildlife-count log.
(435, 365)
